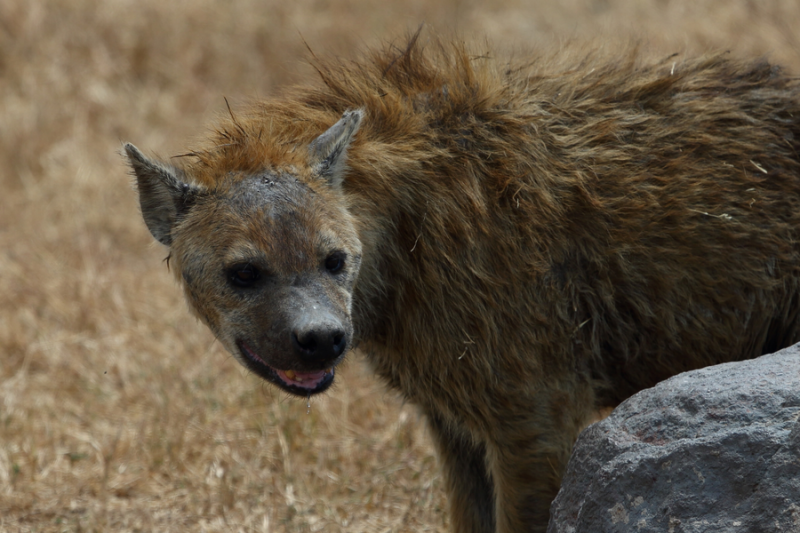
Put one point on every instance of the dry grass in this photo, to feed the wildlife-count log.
(118, 412)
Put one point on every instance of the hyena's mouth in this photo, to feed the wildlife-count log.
(293, 381)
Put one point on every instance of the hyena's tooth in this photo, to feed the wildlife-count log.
(290, 374)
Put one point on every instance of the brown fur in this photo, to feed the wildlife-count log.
(536, 239)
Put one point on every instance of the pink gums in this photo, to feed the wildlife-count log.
(305, 380)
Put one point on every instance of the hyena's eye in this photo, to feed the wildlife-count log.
(335, 262)
(244, 275)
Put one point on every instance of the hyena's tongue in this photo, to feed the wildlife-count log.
(306, 380)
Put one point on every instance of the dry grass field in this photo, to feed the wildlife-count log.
(118, 411)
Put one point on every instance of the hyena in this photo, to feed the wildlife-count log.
(513, 244)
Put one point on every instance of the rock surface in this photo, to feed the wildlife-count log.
(717, 449)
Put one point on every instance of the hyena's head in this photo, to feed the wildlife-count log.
(268, 260)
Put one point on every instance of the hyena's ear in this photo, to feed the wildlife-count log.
(163, 195)
(328, 152)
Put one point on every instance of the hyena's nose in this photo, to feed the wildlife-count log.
(319, 343)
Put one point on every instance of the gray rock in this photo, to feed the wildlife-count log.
(716, 449)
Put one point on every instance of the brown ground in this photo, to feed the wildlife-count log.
(118, 412)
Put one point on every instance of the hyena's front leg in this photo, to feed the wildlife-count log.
(469, 487)
(528, 458)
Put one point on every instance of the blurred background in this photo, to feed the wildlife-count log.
(118, 411)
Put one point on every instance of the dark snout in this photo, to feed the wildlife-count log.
(319, 341)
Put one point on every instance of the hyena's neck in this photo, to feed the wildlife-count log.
(382, 264)
(408, 208)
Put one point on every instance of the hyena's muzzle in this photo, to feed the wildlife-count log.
(296, 339)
